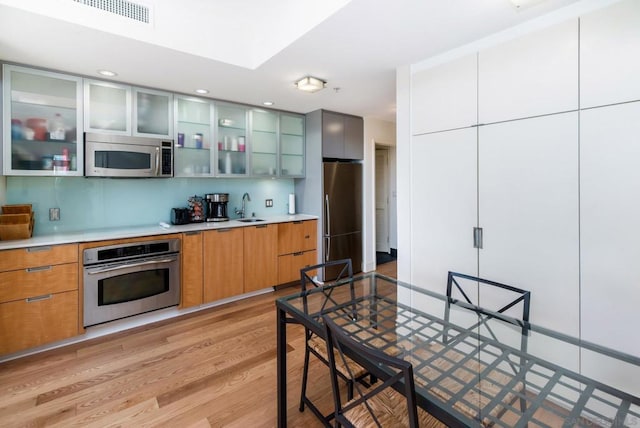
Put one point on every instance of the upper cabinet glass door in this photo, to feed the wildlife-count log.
(264, 142)
(107, 107)
(193, 136)
(232, 139)
(291, 145)
(43, 126)
(153, 113)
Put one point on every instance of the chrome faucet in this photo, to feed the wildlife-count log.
(245, 198)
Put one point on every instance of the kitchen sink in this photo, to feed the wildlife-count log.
(250, 220)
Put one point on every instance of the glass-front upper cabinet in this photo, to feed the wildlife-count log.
(113, 108)
(107, 107)
(43, 122)
(193, 135)
(264, 142)
(292, 145)
(231, 139)
(152, 113)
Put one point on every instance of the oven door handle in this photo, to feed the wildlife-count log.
(131, 265)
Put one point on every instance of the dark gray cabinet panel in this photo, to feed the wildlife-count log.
(332, 135)
(353, 137)
(342, 136)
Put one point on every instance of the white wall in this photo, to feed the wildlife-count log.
(403, 167)
(381, 132)
(617, 23)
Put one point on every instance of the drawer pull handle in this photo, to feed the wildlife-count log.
(299, 253)
(223, 230)
(195, 232)
(262, 226)
(307, 236)
(38, 298)
(39, 249)
(38, 269)
(297, 222)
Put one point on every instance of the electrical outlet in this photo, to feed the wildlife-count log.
(268, 203)
(54, 214)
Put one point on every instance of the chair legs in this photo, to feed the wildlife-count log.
(303, 392)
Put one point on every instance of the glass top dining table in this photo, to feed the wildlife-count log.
(472, 367)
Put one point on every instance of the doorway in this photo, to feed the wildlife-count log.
(382, 208)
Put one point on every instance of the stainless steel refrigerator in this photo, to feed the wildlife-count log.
(342, 215)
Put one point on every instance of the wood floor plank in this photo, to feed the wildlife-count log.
(210, 368)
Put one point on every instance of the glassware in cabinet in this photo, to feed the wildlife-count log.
(42, 116)
(264, 142)
(193, 136)
(231, 139)
(292, 140)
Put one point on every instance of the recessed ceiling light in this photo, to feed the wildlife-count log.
(107, 73)
(310, 84)
(523, 4)
(202, 91)
(268, 103)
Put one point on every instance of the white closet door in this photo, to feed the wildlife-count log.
(533, 75)
(528, 209)
(610, 236)
(445, 97)
(443, 206)
(610, 55)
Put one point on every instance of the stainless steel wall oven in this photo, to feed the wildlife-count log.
(130, 279)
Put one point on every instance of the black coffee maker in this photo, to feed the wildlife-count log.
(217, 206)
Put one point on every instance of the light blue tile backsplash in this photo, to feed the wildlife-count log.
(94, 203)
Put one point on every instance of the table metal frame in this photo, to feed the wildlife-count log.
(437, 340)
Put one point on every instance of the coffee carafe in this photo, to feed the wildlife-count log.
(217, 206)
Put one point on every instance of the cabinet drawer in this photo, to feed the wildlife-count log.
(38, 256)
(297, 236)
(31, 282)
(26, 324)
(289, 265)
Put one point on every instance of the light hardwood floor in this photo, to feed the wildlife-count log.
(214, 368)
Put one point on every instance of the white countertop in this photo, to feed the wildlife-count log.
(134, 231)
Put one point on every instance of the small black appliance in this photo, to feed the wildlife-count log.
(180, 215)
(217, 206)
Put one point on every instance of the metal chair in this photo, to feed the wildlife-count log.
(315, 345)
(457, 283)
(382, 405)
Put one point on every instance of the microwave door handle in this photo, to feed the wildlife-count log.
(157, 161)
(130, 265)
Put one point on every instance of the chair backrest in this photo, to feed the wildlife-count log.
(343, 267)
(388, 369)
(460, 282)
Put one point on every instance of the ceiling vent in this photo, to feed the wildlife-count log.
(127, 9)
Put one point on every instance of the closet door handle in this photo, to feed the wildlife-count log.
(477, 237)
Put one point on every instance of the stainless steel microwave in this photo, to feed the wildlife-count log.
(122, 156)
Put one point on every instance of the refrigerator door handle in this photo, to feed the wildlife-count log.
(327, 248)
(327, 217)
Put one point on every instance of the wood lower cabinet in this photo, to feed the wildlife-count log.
(223, 263)
(38, 320)
(296, 248)
(260, 257)
(39, 300)
(191, 287)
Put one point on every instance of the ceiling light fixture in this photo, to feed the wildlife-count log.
(268, 103)
(311, 84)
(202, 91)
(107, 73)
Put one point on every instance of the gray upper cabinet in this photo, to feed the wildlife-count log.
(342, 136)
